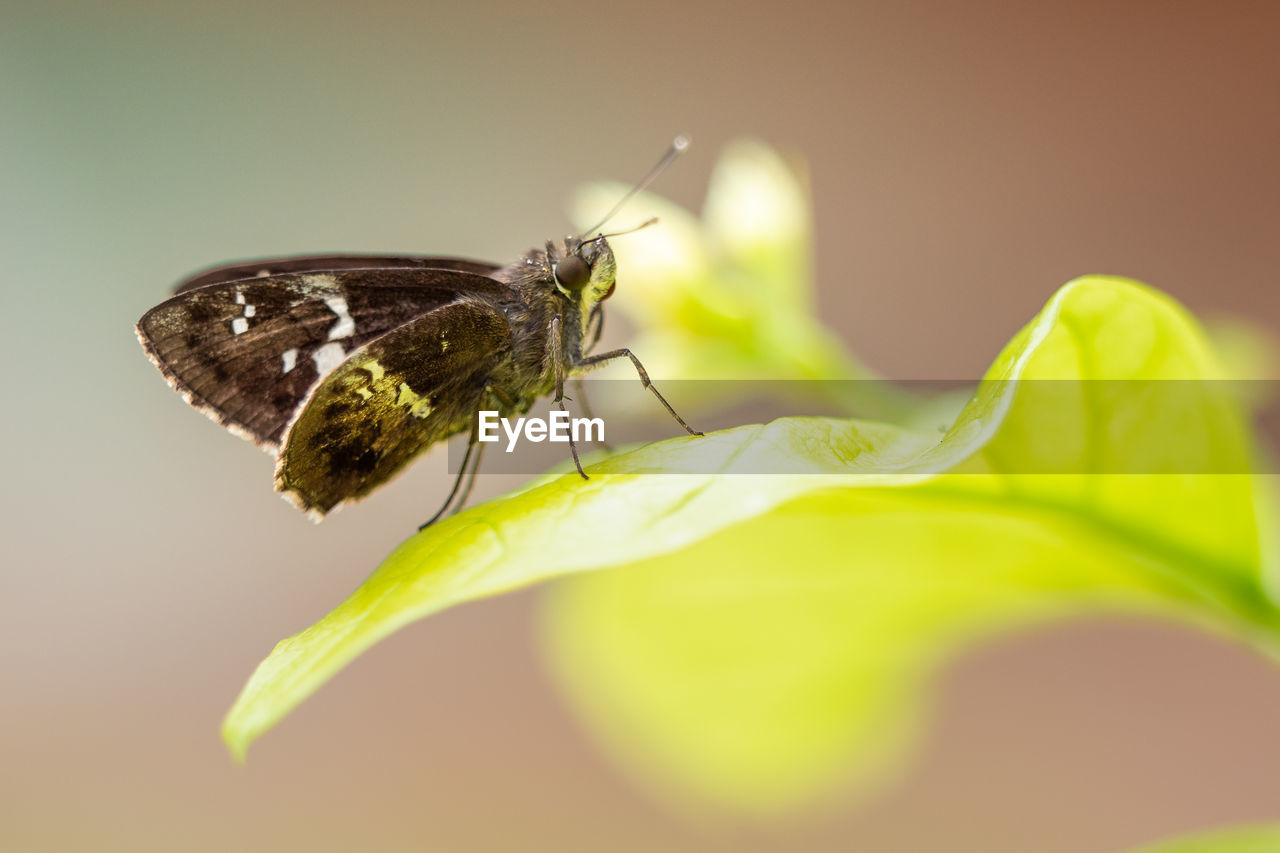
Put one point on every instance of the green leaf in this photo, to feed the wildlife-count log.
(784, 658)
(1253, 839)
(781, 612)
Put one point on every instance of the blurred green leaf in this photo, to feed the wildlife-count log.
(781, 612)
(730, 297)
(1250, 354)
(1254, 839)
(1248, 350)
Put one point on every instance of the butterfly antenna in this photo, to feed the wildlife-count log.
(677, 148)
(652, 220)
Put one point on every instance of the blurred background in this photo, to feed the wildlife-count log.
(966, 160)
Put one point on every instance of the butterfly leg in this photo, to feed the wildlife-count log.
(457, 484)
(558, 371)
(466, 479)
(597, 360)
(580, 389)
(471, 478)
(595, 326)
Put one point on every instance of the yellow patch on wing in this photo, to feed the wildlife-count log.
(368, 379)
(418, 406)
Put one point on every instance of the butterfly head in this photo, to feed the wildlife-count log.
(587, 270)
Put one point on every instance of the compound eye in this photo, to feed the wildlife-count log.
(573, 273)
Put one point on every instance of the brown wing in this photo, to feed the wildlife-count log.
(390, 400)
(322, 263)
(247, 352)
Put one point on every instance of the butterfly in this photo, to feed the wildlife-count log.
(346, 367)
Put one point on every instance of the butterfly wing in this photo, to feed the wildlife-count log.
(389, 400)
(246, 352)
(313, 263)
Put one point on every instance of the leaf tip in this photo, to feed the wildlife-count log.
(235, 737)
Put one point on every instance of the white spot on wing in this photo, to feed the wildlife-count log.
(290, 357)
(328, 357)
(241, 324)
(345, 327)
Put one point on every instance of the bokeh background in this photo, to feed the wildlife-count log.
(966, 159)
